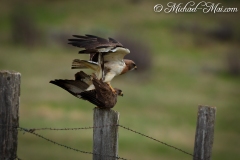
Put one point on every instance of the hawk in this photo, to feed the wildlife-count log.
(112, 53)
(102, 95)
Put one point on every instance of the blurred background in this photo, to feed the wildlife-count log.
(183, 59)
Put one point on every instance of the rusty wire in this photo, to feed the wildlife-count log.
(32, 131)
(35, 129)
(155, 140)
(74, 149)
(67, 129)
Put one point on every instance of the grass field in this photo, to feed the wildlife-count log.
(188, 68)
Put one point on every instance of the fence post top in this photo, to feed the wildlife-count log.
(105, 109)
(206, 106)
(9, 72)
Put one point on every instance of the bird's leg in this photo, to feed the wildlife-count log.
(113, 90)
(102, 66)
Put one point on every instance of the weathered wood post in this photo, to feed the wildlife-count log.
(204, 133)
(105, 139)
(9, 105)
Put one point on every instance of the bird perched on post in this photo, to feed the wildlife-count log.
(112, 53)
(102, 95)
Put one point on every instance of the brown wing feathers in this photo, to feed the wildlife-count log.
(91, 43)
(72, 86)
(102, 96)
(75, 87)
(91, 97)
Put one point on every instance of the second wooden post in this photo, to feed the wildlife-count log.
(204, 133)
(105, 134)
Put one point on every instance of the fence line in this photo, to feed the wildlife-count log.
(61, 129)
(156, 140)
(9, 105)
(32, 131)
(77, 150)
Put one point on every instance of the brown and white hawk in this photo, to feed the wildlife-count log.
(104, 53)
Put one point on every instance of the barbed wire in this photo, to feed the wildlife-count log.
(32, 130)
(67, 129)
(155, 140)
(35, 129)
(77, 150)
(171, 146)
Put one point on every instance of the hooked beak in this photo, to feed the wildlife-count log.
(135, 67)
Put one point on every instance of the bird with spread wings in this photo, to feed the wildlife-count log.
(106, 60)
(106, 57)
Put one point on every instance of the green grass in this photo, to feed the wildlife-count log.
(161, 103)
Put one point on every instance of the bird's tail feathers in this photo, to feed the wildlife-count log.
(77, 64)
(84, 64)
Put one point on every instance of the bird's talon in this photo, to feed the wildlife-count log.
(113, 90)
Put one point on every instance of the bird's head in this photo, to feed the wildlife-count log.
(119, 92)
(130, 64)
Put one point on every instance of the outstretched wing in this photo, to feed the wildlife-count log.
(93, 44)
(72, 86)
(75, 87)
(116, 54)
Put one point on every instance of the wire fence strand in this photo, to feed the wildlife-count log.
(74, 149)
(156, 140)
(54, 129)
(32, 131)
(67, 129)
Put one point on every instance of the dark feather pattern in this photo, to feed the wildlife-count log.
(112, 40)
(75, 87)
(78, 36)
(99, 39)
(93, 42)
(94, 57)
(81, 75)
(91, 97)
(102, 95)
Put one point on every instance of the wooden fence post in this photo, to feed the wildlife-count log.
(105, 139)
(9, 105)
(204, 133)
